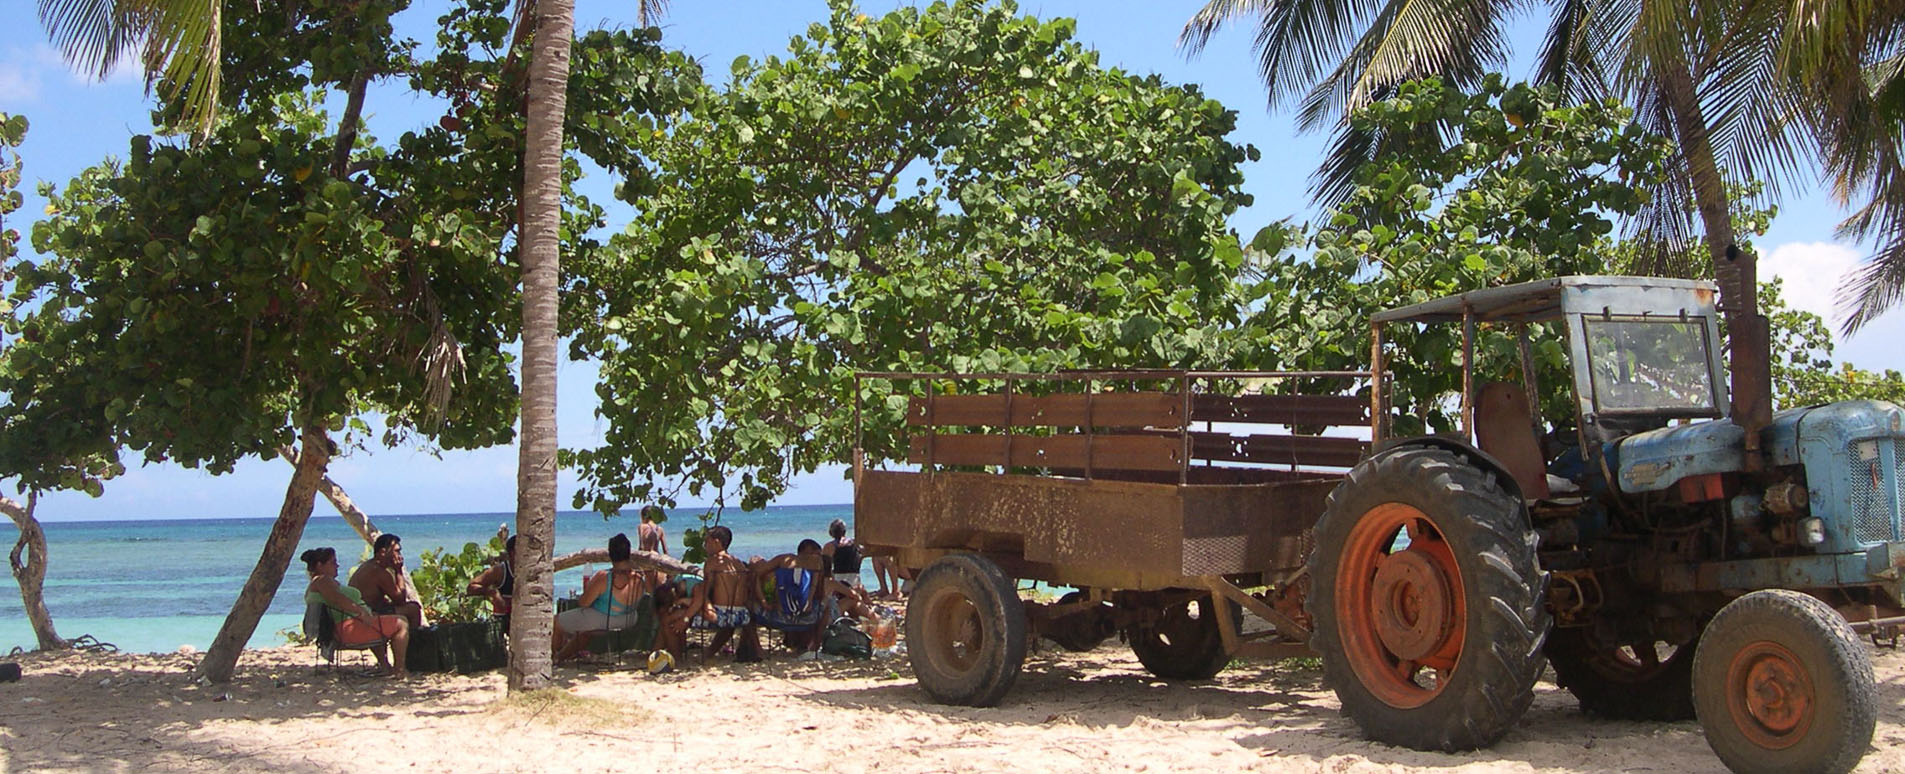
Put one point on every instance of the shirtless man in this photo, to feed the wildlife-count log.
(724, 602)
(382, 581)
(650, 536)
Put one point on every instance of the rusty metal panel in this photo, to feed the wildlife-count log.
(1305, 410)
(1109, 451)
(1275, 521)
(1067, 529)
(1112, 409)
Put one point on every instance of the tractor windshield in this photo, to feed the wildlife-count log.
(1649, 365)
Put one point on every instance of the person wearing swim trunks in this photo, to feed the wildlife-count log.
(383, 583)
(608, 601)
(356, 623)
(724, 602)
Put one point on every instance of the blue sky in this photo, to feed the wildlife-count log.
(77, 123)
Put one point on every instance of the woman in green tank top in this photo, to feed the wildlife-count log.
(356, 624)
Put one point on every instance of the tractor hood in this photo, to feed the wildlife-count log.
(1655, 460)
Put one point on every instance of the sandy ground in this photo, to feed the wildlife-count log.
(1093, 712)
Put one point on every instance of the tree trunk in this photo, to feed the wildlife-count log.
(1696, 147)
(222, 657)
(345, 506)
(533, 609)
(30, 573)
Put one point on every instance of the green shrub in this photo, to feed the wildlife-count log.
(441, 577)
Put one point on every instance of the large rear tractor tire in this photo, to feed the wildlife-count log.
(1781, 683)
(1184, 644)
(1624, 682)
(965, 631)
(1428, 601)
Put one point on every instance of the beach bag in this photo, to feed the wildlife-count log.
(845, 639)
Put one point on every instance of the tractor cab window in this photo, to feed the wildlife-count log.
(1649, 365)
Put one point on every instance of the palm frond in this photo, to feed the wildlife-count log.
(93, 35)
(180, 39)
(648, 12)
(1567, 59)
(1295, 39)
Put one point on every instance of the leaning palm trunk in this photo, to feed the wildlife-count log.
(222, 657)
(346, 507)
(530, 664)
(30, 572)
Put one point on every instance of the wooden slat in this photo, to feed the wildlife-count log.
(1319, 450)
(1109, 452)
(1307, 410)
(1107, 409)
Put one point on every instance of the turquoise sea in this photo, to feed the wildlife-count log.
(152, 586)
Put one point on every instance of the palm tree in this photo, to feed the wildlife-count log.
(533, 612)
(1739, 85)
(177, 43)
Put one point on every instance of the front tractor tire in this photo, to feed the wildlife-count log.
(1428, 601)
(1781, 683)
(965, 631)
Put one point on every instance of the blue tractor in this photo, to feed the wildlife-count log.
(1672, 548)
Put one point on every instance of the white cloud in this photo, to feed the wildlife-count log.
(20, 76)
(1813, 272)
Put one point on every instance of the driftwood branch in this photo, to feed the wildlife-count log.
(644, 560)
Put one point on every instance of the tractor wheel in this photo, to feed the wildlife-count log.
(1428, 601)
(1781, 683)
(1184, 644)
(965, 631)
(1624, 682)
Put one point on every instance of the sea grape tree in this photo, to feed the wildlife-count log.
(948, 187)
(290, 280)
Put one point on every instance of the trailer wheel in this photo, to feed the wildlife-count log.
(1184, 644)
(1624, 682)
(1428, 602)
(1781, 683)
(965, 631)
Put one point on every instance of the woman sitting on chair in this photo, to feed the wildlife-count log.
(608, 601)
(356, 624)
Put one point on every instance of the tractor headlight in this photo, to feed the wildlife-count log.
(1812, 531)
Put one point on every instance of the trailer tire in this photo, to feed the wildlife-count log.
(1613, 683)
(1781, 683)
(965, 631)
(1435, 645)
(1182, 646)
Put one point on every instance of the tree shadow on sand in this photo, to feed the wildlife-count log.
(114, 712)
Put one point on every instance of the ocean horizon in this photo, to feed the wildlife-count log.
(154, 585)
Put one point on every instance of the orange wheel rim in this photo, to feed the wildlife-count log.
(1769, 695)
(959, 630)
(1403, 613)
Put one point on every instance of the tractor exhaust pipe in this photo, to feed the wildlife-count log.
(1748, 349)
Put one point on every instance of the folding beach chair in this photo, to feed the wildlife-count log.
(322, 630)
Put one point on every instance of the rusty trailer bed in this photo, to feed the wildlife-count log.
(1094, 532)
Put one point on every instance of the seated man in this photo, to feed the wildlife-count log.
(798, 603)
(386, 590)
(497, 584)
(724, 602)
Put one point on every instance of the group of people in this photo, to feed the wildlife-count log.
(796, 593)
(378, 602)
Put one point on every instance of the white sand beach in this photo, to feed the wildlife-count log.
(1093, 712)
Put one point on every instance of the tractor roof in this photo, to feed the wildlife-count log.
(1544, 299)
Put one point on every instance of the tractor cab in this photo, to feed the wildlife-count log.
(1644, 352)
